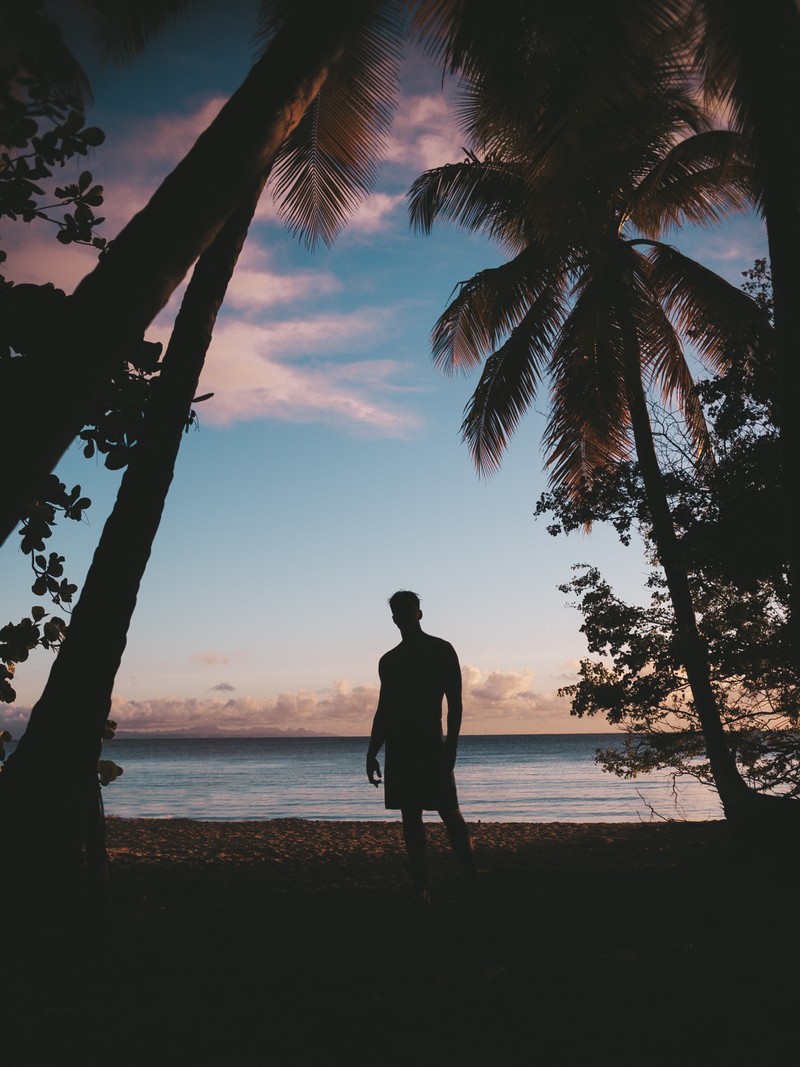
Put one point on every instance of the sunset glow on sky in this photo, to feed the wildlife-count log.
(327, 470)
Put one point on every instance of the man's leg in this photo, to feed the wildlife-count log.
(458, 832)
(414, 835)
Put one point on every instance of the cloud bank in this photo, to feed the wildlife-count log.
(494, 702)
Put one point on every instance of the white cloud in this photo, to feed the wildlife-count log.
(256, 289)
(424, 134)
(378, 212)
(323, 333)
(244, 372)
(509, 701)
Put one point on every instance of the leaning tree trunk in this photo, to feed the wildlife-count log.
(755, 818)
(733, 790)
(113, 306)
(49, 792)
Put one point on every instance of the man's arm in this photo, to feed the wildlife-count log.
(452, 692)
(377, 737)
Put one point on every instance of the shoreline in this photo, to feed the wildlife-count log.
(372, 852)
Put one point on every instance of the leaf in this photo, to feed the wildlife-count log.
(92, 135)
(117, 459)
(108, 771)
(94, 197)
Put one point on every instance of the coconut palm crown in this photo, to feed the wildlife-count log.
(581, 190)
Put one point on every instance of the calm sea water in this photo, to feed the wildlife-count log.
(541, 778)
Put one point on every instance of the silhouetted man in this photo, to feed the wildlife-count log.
(419, 761)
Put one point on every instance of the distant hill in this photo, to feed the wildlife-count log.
(211, 732)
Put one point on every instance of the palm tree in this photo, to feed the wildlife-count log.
(749, 57)
(593, 298)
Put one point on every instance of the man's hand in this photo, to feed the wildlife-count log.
(449, 755)
(373, 771)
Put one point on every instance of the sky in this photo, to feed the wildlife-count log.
(327, 470)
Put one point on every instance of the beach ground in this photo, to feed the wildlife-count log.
(296, 942)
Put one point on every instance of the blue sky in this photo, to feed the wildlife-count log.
(327, 470)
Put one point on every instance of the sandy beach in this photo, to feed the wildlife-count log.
(294, 942)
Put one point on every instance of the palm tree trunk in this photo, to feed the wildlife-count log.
(49, 793)
(114, 305)
(772, 56)
(764, 43)
(732, 789)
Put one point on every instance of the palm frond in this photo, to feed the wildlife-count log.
(577, 78)
(508, 384)
(124, 28)
(476, 194)
(750, 63)
(275, 15)
(662, 357)
(329, 164)
(486, 308)
(466, 36)
(744, 56)
(32, 44)
(588, 425)
(714, 315)
(703, 179)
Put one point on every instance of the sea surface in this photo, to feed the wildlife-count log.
(510, 778)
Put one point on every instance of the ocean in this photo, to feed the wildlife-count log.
(509, 778)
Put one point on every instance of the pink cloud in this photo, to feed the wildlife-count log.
(35, 257)
(494, 701)
(508, 701)
(211, 658)
(378, 212)
(424, 134)
(249, 380)
(256, 289)
(129, 166)
(162, 139)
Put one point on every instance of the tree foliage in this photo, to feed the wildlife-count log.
(728, 521)
(43, 132)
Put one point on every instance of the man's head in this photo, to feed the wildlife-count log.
(405, 608)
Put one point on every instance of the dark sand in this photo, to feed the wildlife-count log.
(293, 942)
